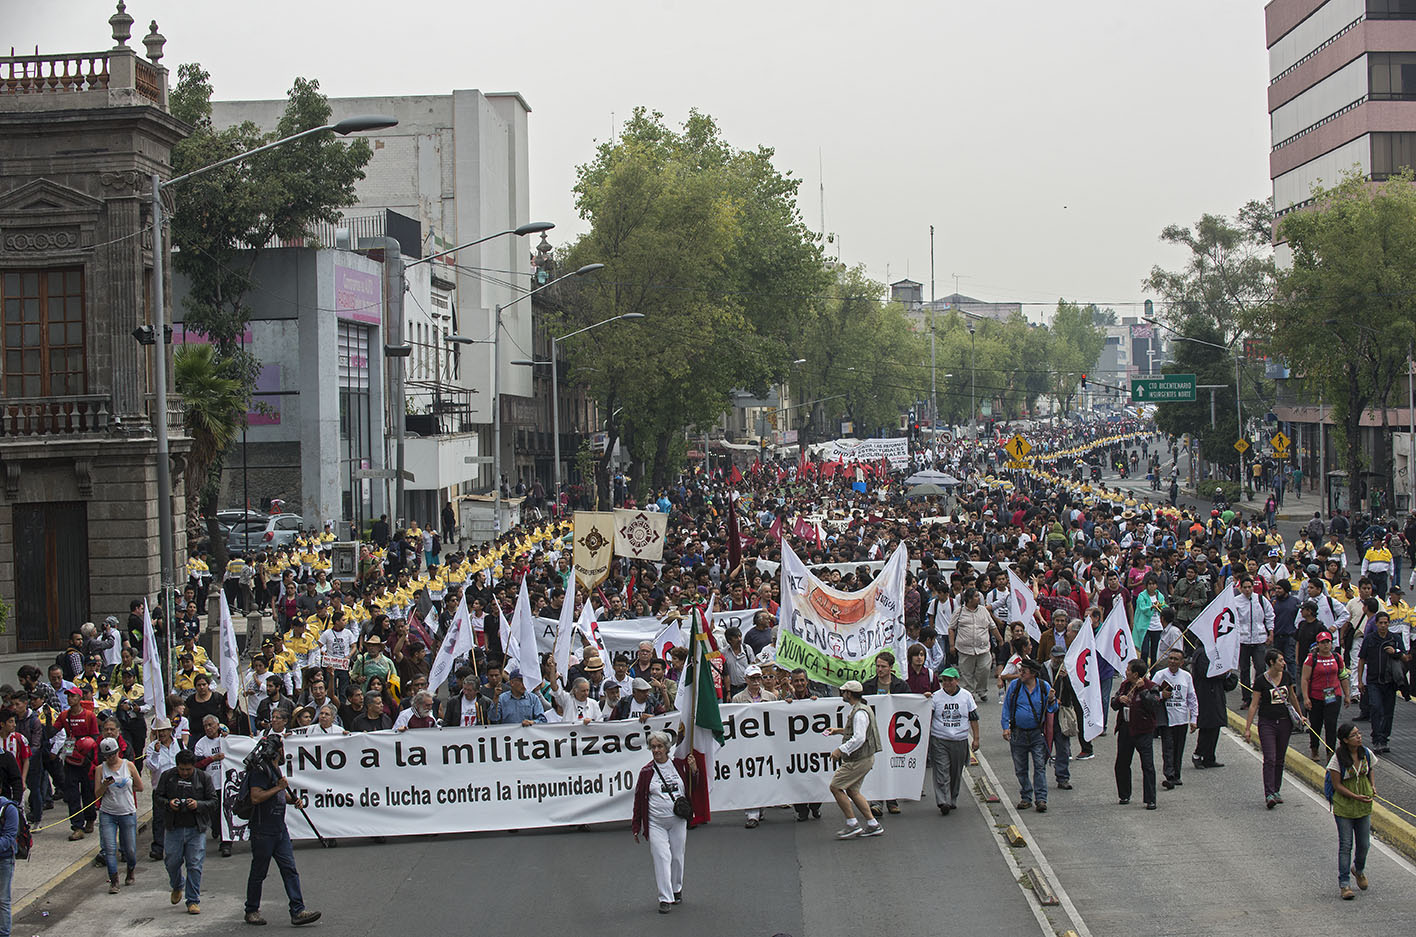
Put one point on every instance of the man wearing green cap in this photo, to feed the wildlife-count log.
(954, 719)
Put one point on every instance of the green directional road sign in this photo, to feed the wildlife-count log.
(1169, 388)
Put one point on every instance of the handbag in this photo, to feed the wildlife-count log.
(1067, 721)
(683, 807)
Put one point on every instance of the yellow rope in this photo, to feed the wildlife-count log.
(1323, 742)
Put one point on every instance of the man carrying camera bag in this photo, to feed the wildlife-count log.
(188, 798)
(269, 837)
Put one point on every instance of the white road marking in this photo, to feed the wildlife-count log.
(1315, 797)
(1065, 900)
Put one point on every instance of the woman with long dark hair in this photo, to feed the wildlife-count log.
(1350, 772)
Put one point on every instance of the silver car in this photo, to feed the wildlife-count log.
(275, 531)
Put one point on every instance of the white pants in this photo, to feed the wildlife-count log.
(667, 840)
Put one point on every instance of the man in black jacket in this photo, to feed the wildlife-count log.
(466, 708)
(188, 798)
(885, 681)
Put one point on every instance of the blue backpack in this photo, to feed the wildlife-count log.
(1328, 789)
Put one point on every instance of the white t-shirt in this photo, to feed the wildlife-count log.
(205, 748)
(335, 646)
(1183, 706)
(951, 715)
(664, 786)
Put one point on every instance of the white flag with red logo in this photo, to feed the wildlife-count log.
(1084, 670)
(1022, 606)
(1218, 631)
(1113, 641)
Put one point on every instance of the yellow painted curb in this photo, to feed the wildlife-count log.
(43, 891)
(1385, 822)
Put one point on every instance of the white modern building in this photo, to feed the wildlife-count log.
(457, 164)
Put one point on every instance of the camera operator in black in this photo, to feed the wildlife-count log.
(188, 798)
(269, 837)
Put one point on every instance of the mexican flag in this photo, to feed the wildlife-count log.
(703, 724)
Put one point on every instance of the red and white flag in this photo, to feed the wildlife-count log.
(1084, 670)
(1022, 606)
(1113, 641)
(1217, 629)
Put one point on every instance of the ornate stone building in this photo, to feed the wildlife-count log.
(80, 136)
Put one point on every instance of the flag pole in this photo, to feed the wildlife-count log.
(696, 664)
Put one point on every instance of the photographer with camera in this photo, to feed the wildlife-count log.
(269, 792)
(187, 798)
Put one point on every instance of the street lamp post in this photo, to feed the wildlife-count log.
(165, 535)
(496, 384)
(555, 386)
(1238, 411)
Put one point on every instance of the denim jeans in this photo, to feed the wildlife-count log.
(1382, 697)
(264, 847)
(1062, 757)
(115, 831)
(7, 875)
(1025, 744)
(1348, 830)
(1287, 645)
(185, 843)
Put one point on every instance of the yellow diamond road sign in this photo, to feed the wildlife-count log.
(1280, 441)
(1242, 445)
(1018, 448)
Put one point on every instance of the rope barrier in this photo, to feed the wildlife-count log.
(1308, 728)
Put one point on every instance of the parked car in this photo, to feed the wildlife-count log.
(230, 517)
(275, 531)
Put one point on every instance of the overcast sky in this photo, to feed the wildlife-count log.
(1047, 142)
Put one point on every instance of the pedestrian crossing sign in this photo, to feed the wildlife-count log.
(1280, 441)
(1242, 445)
(1018, 448)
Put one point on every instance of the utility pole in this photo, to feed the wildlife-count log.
(933, 388)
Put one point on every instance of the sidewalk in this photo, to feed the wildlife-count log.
(54, 859)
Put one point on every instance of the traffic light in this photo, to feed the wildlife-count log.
(1084, 382)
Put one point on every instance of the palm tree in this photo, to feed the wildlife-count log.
(214, 407)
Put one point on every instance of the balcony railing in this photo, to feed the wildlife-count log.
(50, 416)
(82, 415)
(43, 74)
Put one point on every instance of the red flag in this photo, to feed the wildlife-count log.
(735, 477)
(628, 588)
(884, 467)
(734, 538)
(802, 462)
(756, 466)
(828, 469)
(781, 475)
(775, 531)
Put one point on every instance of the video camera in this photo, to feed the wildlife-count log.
(268, 753)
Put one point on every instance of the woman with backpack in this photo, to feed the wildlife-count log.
(1351, 788)
(1325, 685)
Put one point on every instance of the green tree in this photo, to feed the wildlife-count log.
(1228, 274)
(1073, 342)
(223, 218)
(214, 410)
(1210, 366)
(1351, 290)
(707, 243)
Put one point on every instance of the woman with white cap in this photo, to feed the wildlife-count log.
(116, 782)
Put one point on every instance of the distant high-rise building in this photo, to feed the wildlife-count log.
(1342, 92)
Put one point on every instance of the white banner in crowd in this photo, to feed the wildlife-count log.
(836, 635)
(870, 450)
(639, 535)
(507, 777)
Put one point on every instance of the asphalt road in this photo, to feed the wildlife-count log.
(783, 877)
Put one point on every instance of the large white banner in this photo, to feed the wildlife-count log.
(639, 535)
(870, 450)
(835, 636)
(509, 777)
(619, 634)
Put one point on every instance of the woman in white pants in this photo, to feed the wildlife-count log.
(660, 784)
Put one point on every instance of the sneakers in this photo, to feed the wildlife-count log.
(226, 850)
(1024, 804)
(665, 907)
(944, 810)
(177, 894)
(752, 823)
(1085, 756)
(254, 917)
(1064, 785)
(849, 832)
(873, 829)
(678, 897)
(304, 917)
(1361, 878)
(1041, 806)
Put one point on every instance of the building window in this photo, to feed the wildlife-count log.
(44, 333)
(1391, 153)
(1391, 9)
(1393, 76)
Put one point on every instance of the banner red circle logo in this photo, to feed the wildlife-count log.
(905, 732)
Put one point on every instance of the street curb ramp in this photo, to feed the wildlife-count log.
(1396, 832)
